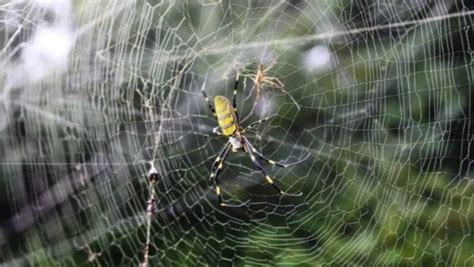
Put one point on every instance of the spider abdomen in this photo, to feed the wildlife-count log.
(225, 115)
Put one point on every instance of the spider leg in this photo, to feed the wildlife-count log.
(257, 94)
(262, 157)
(215, 170)
(219, 159)
(251, 125)
(265, 70)
(276, 83)
(267, 177)
(203, 91)
(234, 100)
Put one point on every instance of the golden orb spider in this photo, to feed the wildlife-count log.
(228, 120)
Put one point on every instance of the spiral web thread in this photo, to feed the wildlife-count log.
(382, 137)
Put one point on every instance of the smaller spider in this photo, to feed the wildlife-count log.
(261, 80)
(228, 120)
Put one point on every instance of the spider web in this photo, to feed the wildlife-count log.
(95, 94)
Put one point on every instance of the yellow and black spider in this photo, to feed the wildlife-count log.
(228, 120)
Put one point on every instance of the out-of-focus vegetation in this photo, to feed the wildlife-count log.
(386, 122)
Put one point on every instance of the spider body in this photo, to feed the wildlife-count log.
(260, 76)
(226, 116)
(228, 121)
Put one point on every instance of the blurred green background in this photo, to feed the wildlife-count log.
(383, 128)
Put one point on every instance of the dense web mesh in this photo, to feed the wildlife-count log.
(96, 93)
